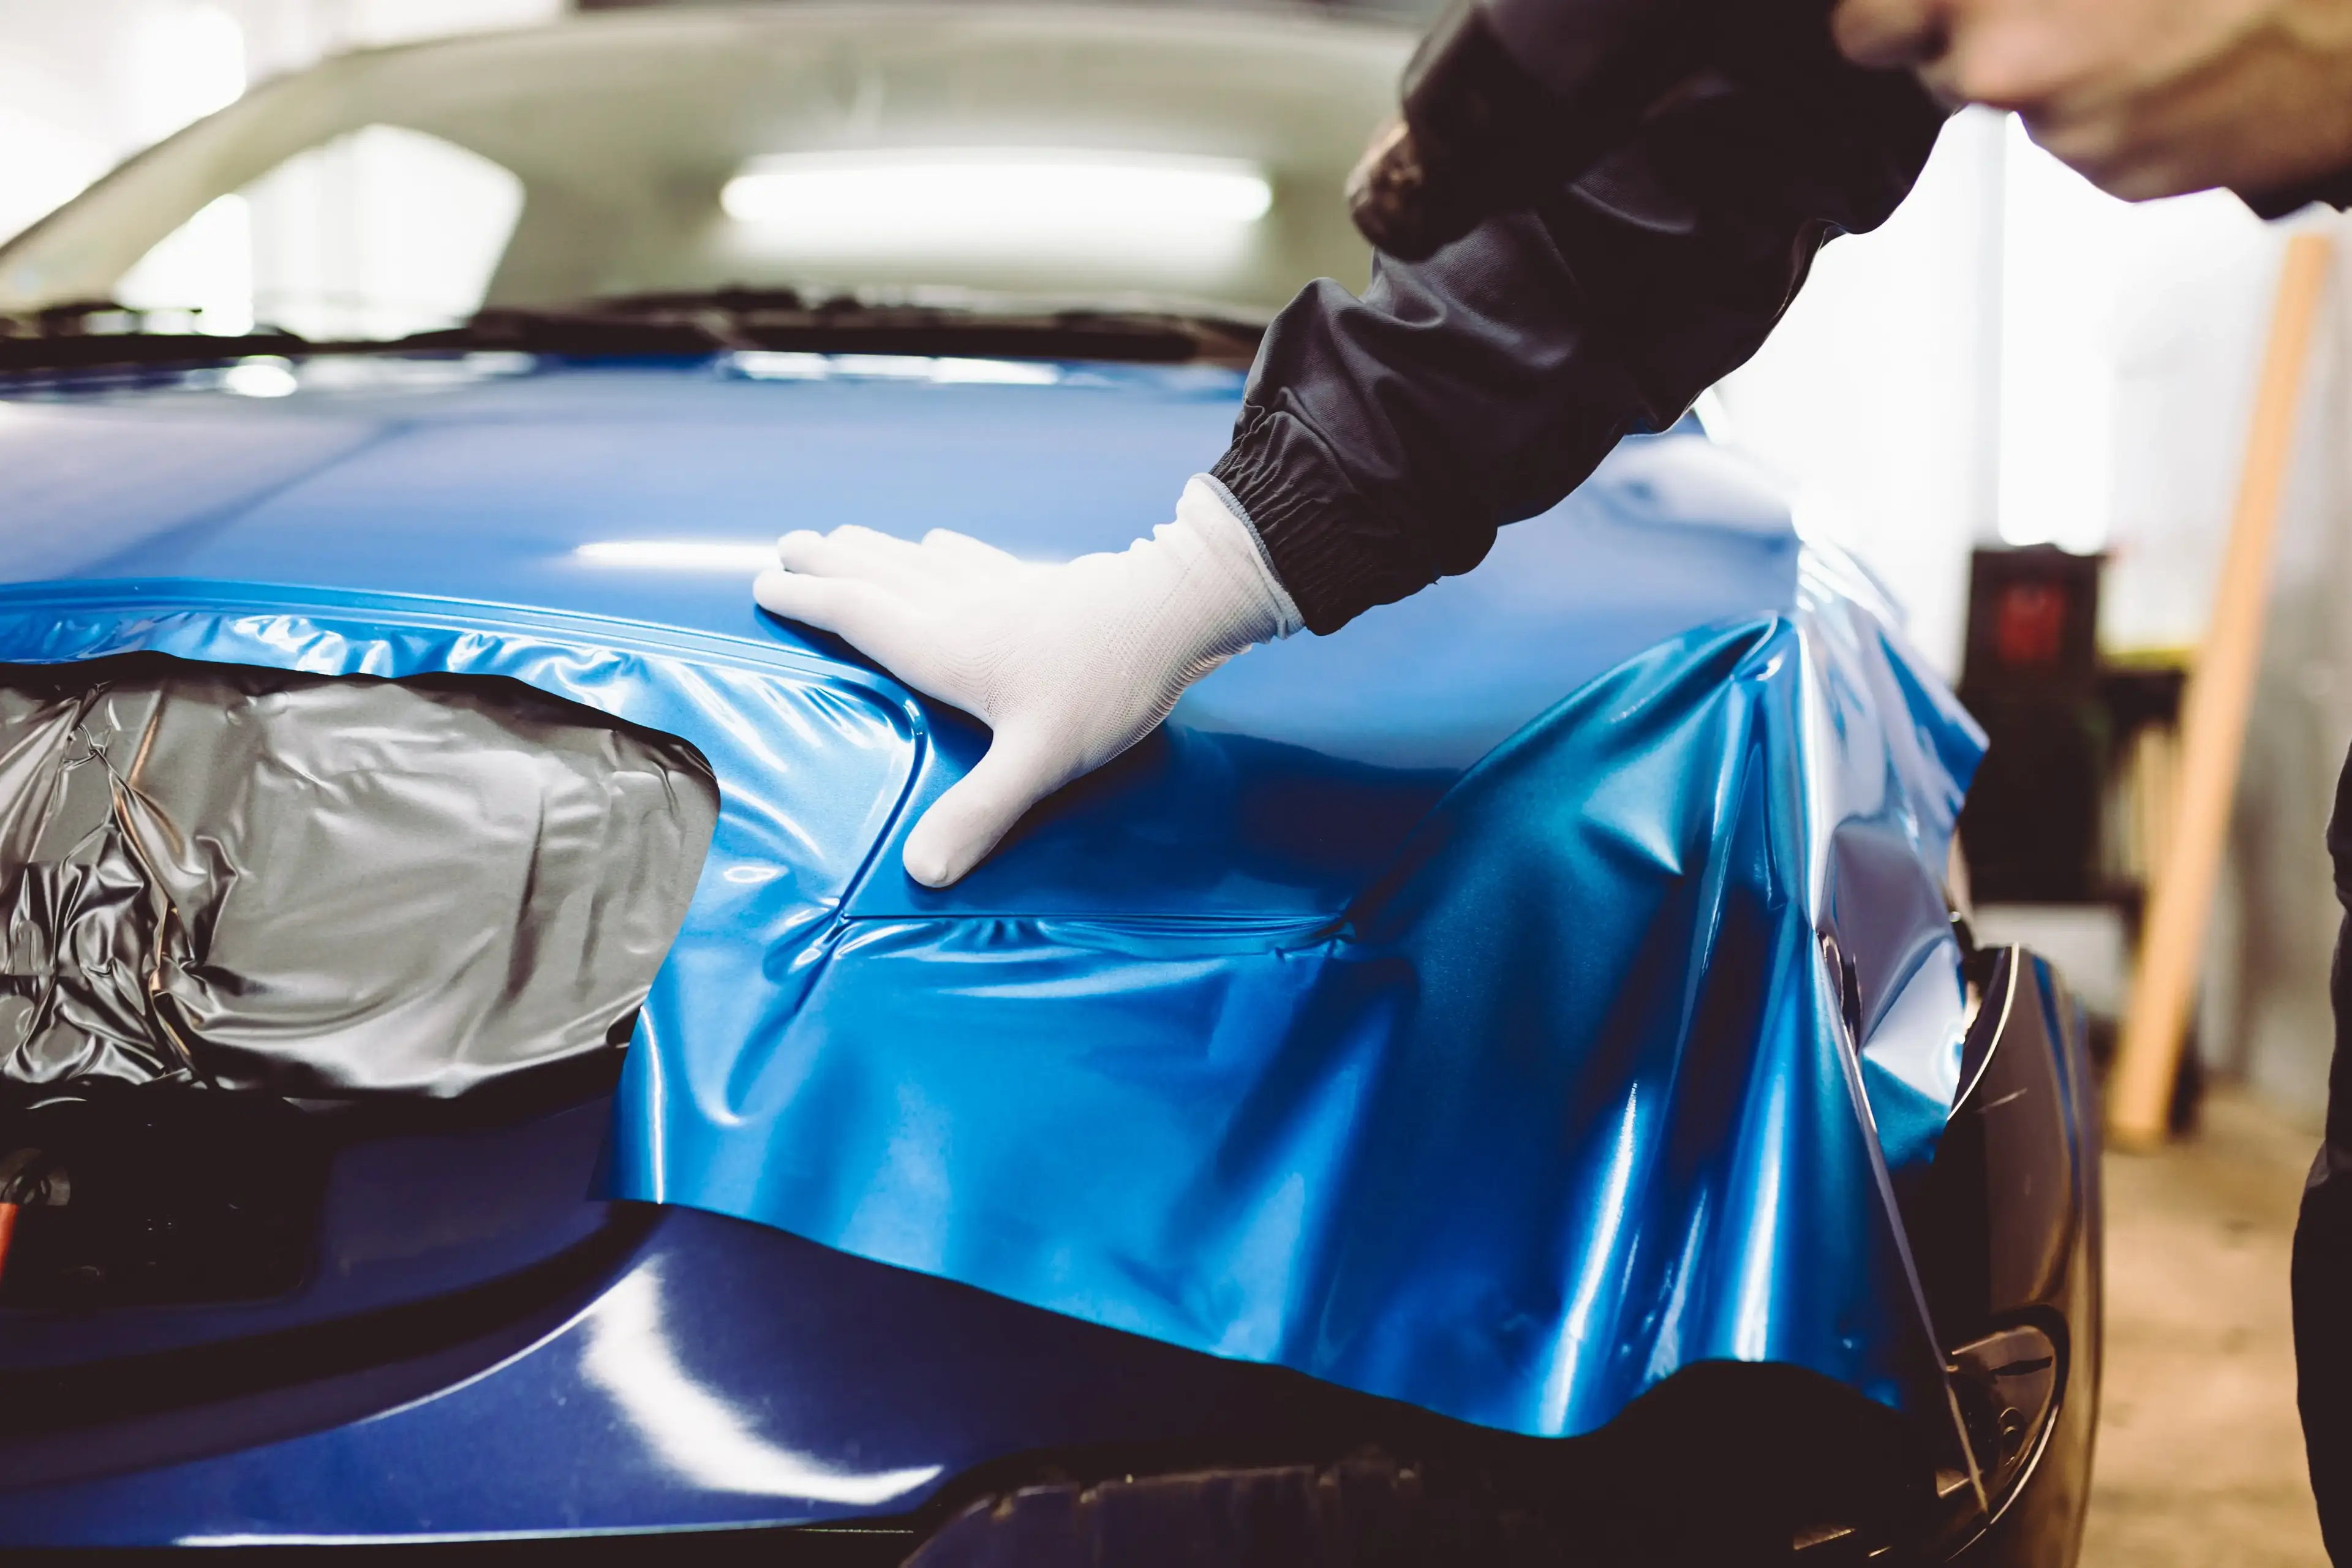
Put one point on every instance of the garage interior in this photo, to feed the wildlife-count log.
(2024, 407)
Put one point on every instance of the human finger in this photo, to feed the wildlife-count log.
(979, 809)
(1889, 34)
(871, 620)
(851, 551)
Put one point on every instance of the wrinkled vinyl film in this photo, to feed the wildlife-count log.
(1600, 1068)
(1567, 1098)
(324, 886)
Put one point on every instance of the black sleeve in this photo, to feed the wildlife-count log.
(1384, 440)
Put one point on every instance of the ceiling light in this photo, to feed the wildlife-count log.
(1008, 188)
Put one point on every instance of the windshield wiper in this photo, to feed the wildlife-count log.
(101, 333)
(675, 325)
(90, 333)
(785, 319)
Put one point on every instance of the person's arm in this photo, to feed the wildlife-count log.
(1384, 440)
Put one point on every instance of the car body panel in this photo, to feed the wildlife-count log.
(443, 514)
(1238, 848)
(477, 480)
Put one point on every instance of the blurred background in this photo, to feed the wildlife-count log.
(2021, 404)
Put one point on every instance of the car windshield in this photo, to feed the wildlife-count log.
(1111, 158)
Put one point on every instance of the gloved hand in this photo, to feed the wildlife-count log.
(1069, 663)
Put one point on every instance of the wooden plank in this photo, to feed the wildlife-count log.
(2213, 725)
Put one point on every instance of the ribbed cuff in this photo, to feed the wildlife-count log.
(1333, 554)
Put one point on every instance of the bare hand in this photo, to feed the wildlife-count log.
(2145, 97)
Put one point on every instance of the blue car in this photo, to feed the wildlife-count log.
(1505, 1083)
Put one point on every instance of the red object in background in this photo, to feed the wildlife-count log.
(2033, 622)
(7, 1234)
(2029, 623)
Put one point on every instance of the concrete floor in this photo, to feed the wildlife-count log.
(2200, 1459)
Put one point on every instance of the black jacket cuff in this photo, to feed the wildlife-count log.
(1335, 556)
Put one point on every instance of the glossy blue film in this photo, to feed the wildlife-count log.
(1504, 1091)
(1565, 1099)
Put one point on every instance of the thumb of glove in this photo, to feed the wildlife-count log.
(979, 809)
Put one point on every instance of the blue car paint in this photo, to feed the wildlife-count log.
(405, 1218)
(730, 1375)
(472, 486)
(477, 485)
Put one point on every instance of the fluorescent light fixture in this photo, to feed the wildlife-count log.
(1006, 187)
(679, 554)
(1163, 217)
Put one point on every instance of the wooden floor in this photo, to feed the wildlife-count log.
(2200, 1458)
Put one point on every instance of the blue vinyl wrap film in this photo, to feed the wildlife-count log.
(1505, 1092)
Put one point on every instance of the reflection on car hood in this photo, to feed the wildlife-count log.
(648, 492)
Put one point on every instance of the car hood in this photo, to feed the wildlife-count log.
(1303, 1033)
(647, 492)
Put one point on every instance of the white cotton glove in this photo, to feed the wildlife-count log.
(1069, 663)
